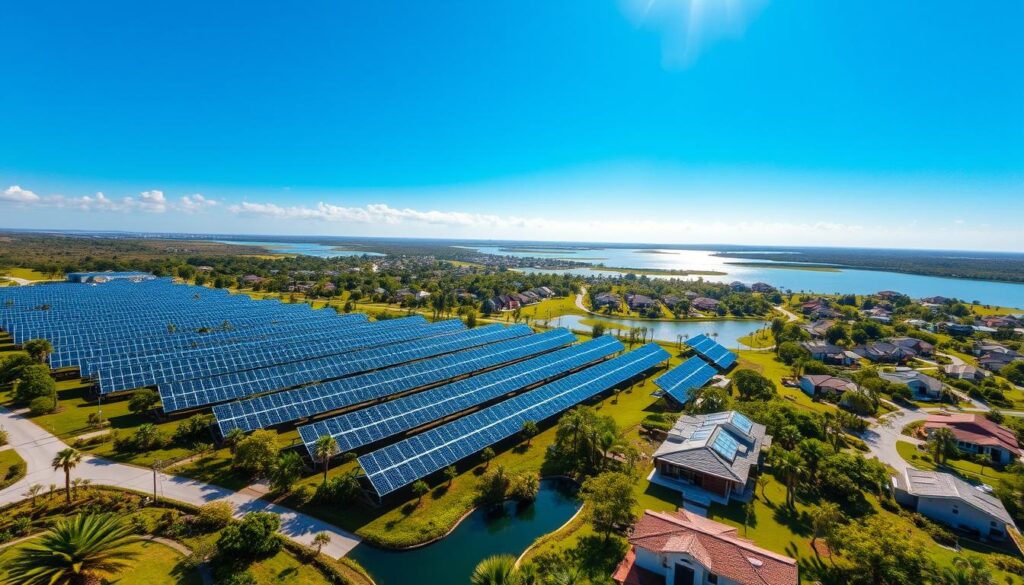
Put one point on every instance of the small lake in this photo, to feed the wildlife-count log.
(302, 249)
(451, 560)
(843, 280)
(728, 332)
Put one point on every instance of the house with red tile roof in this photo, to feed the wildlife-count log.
(684, 548)
(975, 434)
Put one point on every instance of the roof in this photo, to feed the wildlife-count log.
(905, 377)
(630, 573)
(975, 428)
(724, 444)
(714, 545)
(932, 484)
(961, 370)
(831, 382)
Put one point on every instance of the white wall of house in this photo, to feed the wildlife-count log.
(957, 514)
(666, 565)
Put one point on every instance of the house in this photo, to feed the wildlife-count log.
(737, 286)
(922, 386)
(883, 352)
(762, 287)
(821, 384)
(958, 330)
(1000, 322)
(919, 346)
(878, 314)
(204, 268)
(704, 304)
(606, 299)
(985, 347)
(817, 329)
(830, 354)
(671, 300)
(251, 279)
(920, 324)
(976, 435)
(684, 548)
(945, 498)
(964, 372)
(813, 306)
(995, 362)
(710, 457)
(638, 302)
(936, 300)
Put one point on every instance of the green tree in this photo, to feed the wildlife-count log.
(529, 431)
(326, 446)
(233, 438)
(493, 487)
(495, 570)
(321, 540)
(286, 471)
(81, 550)
(486, 455)
(610, 501)
(35, 382)
(450, 473)
(942, 443)
(66, 460)
(1014, 372)
(791, 352)
(420, 489)
(790, 467)
(751, 385)
(883, 552)
(597, 330)
(825, 517)
(143, 400)
(256, 453)
(38, 349)
(252, 538)
(967, 569)
(12, 367)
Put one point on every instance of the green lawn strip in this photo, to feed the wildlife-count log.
(758, 340)
(969, 470)
(12, 468)
(765, 363)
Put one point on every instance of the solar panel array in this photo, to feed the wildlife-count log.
(292, 405)
(682, 380)
(205, 391)
(397, 465)
(715, 353)
(364, 427)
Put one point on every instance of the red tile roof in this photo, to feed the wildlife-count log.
(629, 573)
(714, 545)
(975, 428)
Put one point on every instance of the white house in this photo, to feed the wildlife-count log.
(683, 548)
(952, 501)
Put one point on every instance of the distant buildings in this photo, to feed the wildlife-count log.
(945, 498)
(822, 384)
(704, 304)
(710, 457)
(607, 299)
(830, 354)
(683, 548)
(964, 372)
(922, 386)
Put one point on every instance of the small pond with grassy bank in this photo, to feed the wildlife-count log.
(729, 331)
(481, 534)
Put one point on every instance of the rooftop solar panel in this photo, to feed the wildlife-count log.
(395, 466)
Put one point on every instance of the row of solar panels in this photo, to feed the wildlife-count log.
(715, 353)
(402, 463)
(681, 381)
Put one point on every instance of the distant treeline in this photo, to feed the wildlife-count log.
(974, 265)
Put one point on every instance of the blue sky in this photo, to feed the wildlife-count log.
(689, 121)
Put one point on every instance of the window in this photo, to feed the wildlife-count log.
(712, 578)
(956, 510)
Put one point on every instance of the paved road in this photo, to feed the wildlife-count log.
(881, 437)
(38, 447)
(790, 316)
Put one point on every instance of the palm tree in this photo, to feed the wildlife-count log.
(67, 460)
(325, 448)
(967, 570)
(942, 442)
(495, 570)
(33, 491)
(824, 518)
(791, 467)
(77, 551)
(320, 540)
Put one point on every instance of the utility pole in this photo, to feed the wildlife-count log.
(156, 465)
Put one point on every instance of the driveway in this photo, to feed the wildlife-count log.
(38, 447)
(882, 436)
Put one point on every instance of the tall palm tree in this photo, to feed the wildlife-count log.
(77, 551)
(942, 442)
(325, 448)
(791, 467)
(495, 570)
(67, 460)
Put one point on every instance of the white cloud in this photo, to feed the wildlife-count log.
(195, 202)
(18, 195)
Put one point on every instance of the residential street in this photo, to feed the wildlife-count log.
(881, 438)
(38, 447)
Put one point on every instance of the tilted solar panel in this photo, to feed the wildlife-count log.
(681, 381)
(402, 463)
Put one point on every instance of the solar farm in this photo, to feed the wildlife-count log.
(408, 396)
(681, 381)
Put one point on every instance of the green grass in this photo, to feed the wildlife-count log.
(26, 273)
(9, 459)
(759, 339)
(155, 564)
(967, 469)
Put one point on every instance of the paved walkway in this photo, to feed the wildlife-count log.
(38, 447)
(881, 437)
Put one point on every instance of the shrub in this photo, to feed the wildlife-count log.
(35, 383)
(1008, 564)
(254, 537)
(193, 429)
(241, 577)
(343, 489)
(41, 405)
(524, 487)
(257, 452)
(4, 436)
(214, 516)
(143, 400)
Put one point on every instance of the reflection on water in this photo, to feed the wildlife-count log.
(728, 331)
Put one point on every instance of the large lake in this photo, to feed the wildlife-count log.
(451, 560)
(302, 249)
(838, 281)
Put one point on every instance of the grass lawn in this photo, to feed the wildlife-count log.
(760, 339)
(155, 563)
(765, 363)
(969, 470)
(12, 467)
(27, 274)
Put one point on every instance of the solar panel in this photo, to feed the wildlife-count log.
(682, 380)
(308, 401)
(718, 355)
(741, 422)
(202, 391)
(373, 424)
(402, 463)
(725, 445)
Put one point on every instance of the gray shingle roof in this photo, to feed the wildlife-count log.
(690, 445)
(932, 484)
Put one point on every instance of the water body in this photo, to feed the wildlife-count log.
(302, 249)
(451, 560)
(728, 332)
(838, 281)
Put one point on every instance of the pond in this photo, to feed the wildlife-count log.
(729, 331)
(452, 559)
